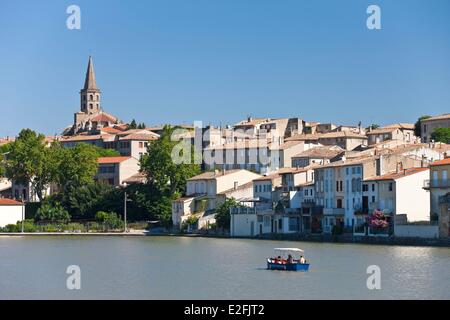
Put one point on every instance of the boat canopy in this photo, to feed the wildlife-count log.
(289, 250)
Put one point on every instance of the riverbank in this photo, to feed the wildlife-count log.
(386, 241)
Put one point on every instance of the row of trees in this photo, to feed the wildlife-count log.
(29, 160)
(134, 125)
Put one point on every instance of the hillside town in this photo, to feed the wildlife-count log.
(267, 176)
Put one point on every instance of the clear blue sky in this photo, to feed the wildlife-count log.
(218, 60)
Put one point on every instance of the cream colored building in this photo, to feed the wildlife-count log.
(115, 170)
(346, 140)
(260, 156)
(131, 143)
(439, 187)
(399, 131)
(399, 193)
(431, 124)
(11, 212)
(207, 190)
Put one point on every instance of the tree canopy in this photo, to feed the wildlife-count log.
(441, 135)
(28, 161)
(166, 179)
(223, 213)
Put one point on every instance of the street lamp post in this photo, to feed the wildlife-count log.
(23, 212)
(125, 210)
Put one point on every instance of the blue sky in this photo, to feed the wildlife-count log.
(218, 60)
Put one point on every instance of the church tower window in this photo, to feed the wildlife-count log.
(91, 106)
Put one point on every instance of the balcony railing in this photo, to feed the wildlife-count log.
(333, 211)
(242, 210)
(436, 184)
(444, 199)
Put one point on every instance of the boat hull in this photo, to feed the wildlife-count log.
(288, 266)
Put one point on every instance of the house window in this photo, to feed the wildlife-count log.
(141, 145)
(373, 199)
(391, 186)
(373, 187)
(365, 187)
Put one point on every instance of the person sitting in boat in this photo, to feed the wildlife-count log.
(279, 260)
(290, 259)
(302, 260)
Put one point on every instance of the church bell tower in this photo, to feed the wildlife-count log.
(90, 94)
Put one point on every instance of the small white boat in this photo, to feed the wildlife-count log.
(288, 259)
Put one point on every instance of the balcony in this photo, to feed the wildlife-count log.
(242, 210)
(427, 184)
(334, 211)
(444, 199)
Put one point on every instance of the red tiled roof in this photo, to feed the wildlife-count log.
(397, 175)
(442, 162)
(110, 160)
(440, 117)
(10, 202)
(139, 136)
(110, 130)
(104, 117)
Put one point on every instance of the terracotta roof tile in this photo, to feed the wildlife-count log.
(9, 202)
(442, 162)
(397, 175)
(111, 160)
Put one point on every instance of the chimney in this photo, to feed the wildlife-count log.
(236, 184)
(249, 118)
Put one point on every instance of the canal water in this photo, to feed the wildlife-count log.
(205, 268)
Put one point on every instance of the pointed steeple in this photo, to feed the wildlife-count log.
(90, 94)
(89, 83)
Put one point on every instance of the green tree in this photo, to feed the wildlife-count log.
(28, 162)
(4, 150)
(159, 168)
(141, 126)
(132, 124)
(52, 212)
(77, 166)
(223, 213)
(84, 200)
(166, 179)
(101, 152)
(441, 135)
(418, 126)
(373, 126)
(110, 219)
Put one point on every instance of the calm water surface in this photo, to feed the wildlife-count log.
(199, 268)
